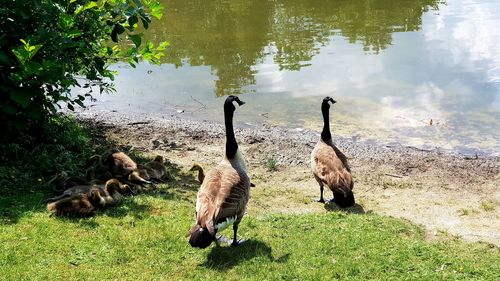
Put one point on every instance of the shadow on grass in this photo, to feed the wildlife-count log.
(15, 203)
(226, 257)
(128, 207)
(356, 209)
(22, 196)
(85, 222)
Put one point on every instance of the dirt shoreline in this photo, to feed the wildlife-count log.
(445, 193)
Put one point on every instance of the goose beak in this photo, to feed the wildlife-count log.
(240, 103)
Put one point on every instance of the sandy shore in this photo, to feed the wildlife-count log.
(446, 193)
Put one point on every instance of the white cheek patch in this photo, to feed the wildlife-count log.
(223, 225)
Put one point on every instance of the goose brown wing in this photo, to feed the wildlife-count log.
(224, 194)
(329, 166)
(233, 195)
(341, 156)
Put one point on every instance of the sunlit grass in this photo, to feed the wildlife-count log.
(144, 239)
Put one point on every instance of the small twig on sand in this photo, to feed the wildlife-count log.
(202, 105)
(394, 175)
(419, 149)
(138, 123)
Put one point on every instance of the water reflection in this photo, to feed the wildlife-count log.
(233, 36)
(393, 66)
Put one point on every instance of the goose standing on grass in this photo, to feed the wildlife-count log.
(224, 193)
(329, 165)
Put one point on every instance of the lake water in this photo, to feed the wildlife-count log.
(417, 72)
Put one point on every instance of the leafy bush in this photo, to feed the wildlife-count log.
(64, 146)
(49, 46)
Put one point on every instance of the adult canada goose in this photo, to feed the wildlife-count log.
(329, 165)
(224, 193)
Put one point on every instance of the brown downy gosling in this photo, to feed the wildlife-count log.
(201, 173)
(82, 204)
(154, 171)
(84, 200)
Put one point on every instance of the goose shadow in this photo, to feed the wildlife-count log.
(226, 257)
(355, 209)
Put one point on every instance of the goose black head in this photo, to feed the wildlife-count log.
(200, 237)
(344, 199)
(325, 104)
(228, 104)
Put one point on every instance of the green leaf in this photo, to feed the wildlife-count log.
(132, 20)
(4, 59)
(120, 29)
(117, 29)
(114, 34)
(145, 22)
(21, 55)
(136, 39)
(21, 97)
(80, 103)
(73, 33)
(163, 45)
(156, 9)
(9, 109)
(66, 21)
(25, 52)
(87, 6)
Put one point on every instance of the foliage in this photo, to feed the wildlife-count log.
(271, 164)
(49, 46)
(61, 148)
(144, 237)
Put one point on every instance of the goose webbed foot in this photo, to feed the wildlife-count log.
(321, 200)
(237, 243)
(223, 239)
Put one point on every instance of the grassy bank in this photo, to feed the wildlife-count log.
(144, 239)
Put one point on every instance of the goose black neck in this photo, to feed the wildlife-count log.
(325, 134)
(231, 145)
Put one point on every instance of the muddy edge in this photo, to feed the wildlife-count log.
(437, 189)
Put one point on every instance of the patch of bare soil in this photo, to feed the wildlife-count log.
(446, 193)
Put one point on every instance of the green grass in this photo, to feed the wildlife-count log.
(271, 164)
(488, 206)
(144, 239)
